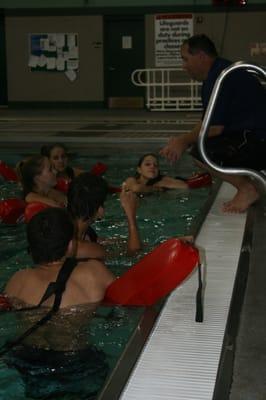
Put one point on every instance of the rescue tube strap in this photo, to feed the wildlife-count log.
(199, 305)
(57, 288)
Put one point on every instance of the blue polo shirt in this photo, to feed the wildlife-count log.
(241, 102)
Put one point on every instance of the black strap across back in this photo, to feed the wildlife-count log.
(56, 288)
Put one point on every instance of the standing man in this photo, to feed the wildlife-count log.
(237, 133)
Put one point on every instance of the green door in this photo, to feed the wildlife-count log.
(3, 78)
(124, 51)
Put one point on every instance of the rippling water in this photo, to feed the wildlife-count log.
(160, 216)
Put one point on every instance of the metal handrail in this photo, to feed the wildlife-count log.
(208, 114)
(166, 91)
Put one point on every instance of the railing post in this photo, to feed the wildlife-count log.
(207, 118)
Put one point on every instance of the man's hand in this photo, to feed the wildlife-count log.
(174, 149)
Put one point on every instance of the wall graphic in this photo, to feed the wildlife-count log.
(54, 52)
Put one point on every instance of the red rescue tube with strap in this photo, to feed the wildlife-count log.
(63, 184)
(199, 180)
(12, 211)
(155, 276)
(5, 304)
(8, 173)
(33, 208)
(98, 169)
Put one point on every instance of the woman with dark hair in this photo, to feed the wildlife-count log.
(58, 157)
(38, 181)
(149, 179)
(86, 196)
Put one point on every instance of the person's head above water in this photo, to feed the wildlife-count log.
(49, 234)
(86, 196)
(198, 54)
(57, 154)
(36, 174)
(148, 167)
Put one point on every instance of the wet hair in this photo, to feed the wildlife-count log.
(28, 170)
(47, 149)
(199, 43)
(146, 155)
(142, 158)
(86, 194)
(49, 233)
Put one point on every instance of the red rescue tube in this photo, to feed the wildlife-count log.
(63, 184)
(199, 180)
(155, 276)
(5, 304)
(33, 208)
(12, 211)
(8, 173)
(98, 169)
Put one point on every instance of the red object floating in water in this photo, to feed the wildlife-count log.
(8, 173)
(12, 211)
(154, 276)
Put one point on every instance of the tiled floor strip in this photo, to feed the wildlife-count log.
(181, 358)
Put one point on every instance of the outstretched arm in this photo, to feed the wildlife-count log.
(178, 144)
(129, 204)
(136, 187)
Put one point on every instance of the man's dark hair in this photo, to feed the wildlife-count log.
(86, 194)
(49, 233)
(203, 43)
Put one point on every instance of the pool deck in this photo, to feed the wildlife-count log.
(239, 374)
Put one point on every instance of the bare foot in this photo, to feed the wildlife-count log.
(242, 200)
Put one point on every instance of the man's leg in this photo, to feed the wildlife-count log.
(246, 193)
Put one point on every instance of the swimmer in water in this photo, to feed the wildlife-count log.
(58, 157)
(149, 179)
(38, 181)
(86, 197)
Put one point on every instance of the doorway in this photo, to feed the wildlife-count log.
(124, 51)
(3, 74)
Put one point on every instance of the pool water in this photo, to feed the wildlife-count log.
(160, 216)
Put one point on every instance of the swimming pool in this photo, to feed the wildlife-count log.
(160, 216)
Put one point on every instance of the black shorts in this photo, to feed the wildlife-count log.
(48, 373)
(236, 150)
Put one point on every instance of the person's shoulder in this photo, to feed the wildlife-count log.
(93, 269)
(89, 264)
(220, 64)
(131, 183)
(130, 179)
(17, 280)
(90, 250)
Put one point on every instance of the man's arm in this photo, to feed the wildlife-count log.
(129, 203)
(178, 144)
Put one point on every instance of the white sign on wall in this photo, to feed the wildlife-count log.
(170, 32)
(54, 52)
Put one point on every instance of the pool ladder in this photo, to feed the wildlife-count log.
(259, 176)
